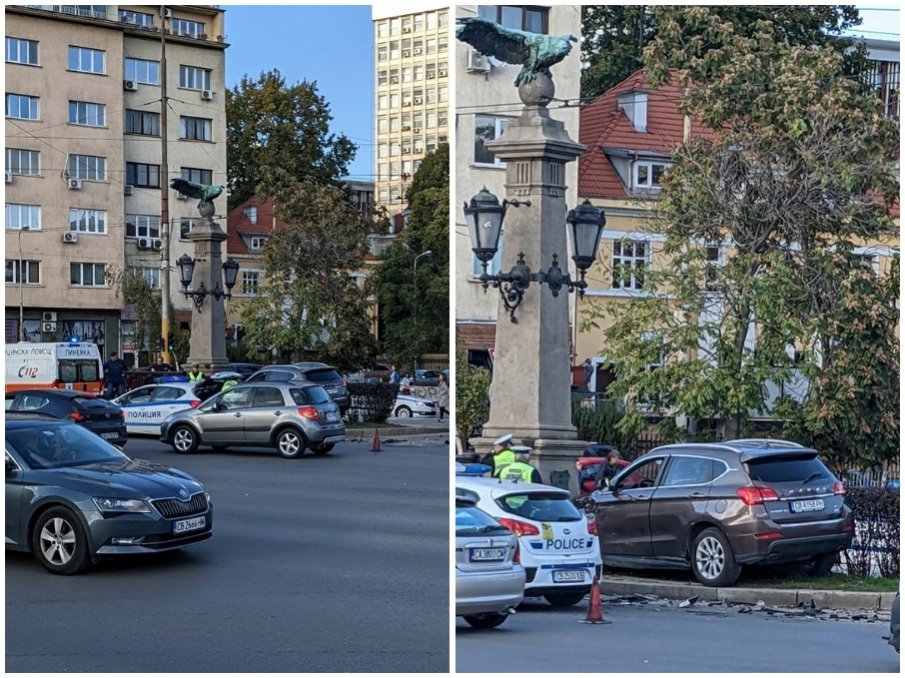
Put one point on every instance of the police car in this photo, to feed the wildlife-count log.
(147, 406)
(558, 544)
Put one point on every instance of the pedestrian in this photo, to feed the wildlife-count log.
(609, 469)
(229, 383)
(588, 373)
(501, 456)
(521, 469)
(443, 396)
(195, 374)
(406, 380)
(161, 366)
(394, 375)
(114, 376)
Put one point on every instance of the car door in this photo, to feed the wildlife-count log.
(623, 512)
(267, 405)
(15, 490)
(135, 406)
(225, 422)
(167, 399)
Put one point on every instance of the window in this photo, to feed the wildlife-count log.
(487, 128)
(382, 78)
(142, 71)
(194, 78)
(88, 275)
(195, 129)
(431, 120)
(199, 176)
(872, 261)
(186, 226)
(631, 259)
(251, 213)
(85, 113)
(185, 27)
(87, 221)
(644, 475)
(383, 101)
(442, 119)
(139, 122)
(432, 96)
(25, 272)
(883, 77)
(383, 150)
(443, 44)
(86, 60)
(150, 274)
(430, 46)
(394, 49)
(136, 18)
(394, 171)
(431, 21)
(19, 51)
(19, 216)
(268, 397)
(383, 29)
(250, 281)
(143, 175)
(22, 107)
(382, 53)
(406, 74)
(692, 471)
(22, 161)
(382, 127)
(142, 226)
(419, 72)
(532, 19)
(419, 23)
(646, 175)
(394, 26)
(256, 243)
(394, 124)
(444, 93)
(87, 167)
(394, 148)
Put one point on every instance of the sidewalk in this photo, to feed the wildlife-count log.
(616, 585)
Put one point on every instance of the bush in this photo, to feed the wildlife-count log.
(472, 397)
(371, 401)
(599, 423)
(876, 543)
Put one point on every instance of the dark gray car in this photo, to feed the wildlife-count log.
(72, 498)
(714, 507)
(290, 416)
(315, 373)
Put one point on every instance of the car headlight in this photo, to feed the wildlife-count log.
(113, 505)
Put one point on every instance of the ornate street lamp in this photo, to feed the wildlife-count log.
(186, 272)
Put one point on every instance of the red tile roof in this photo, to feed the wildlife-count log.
(237, 224)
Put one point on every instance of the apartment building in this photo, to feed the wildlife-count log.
(84, 147)
(412, 61)
(486, 100)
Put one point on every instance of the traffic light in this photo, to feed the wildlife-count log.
(171, 343)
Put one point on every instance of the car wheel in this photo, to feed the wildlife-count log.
(184, 439)
(323, 449)
(712, 559)
(565, 598)
(58, 542)
(290, 443)
(488, 620)
(403, 411)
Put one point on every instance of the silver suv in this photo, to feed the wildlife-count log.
(316, 373)
(287, 416)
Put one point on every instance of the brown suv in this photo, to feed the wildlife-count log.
(717, 506)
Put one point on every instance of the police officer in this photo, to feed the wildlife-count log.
(195, 374)
(229, 383)
(501, 456)
(520, 469)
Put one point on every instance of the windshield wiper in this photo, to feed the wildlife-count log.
(813, 476)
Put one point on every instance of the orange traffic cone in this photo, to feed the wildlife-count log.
(375, 446)
(595, 610)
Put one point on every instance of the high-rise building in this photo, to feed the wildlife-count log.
(412, 61)
(84, 123)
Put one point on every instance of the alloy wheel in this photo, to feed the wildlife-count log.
(711, 558)
(289, 444)
(183, 440)
(58, 541)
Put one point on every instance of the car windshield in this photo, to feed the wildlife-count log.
(787, 469)
(472, 521)
(545, 506)
(94, 404)
(59, 446)
(322, 376)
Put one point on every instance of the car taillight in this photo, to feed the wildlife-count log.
(308, 412)
(195, 403)
(768, 535)
(518, 528)
(516, 557)
(592, 526)
(838, 487)
(77, 416)
(756, 495)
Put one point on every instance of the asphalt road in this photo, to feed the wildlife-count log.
(321, 564)
(540, 639)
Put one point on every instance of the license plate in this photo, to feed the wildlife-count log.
(568, 576)
(805, 505)
(188, 525)
(110, 435)
(488, 555)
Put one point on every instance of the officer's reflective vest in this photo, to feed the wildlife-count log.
(501, 460)
(195, 377)
(228, 384)
(518, 470)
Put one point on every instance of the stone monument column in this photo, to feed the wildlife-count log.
(208, 341)
(531, 395)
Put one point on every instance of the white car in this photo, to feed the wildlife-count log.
(558, 544)
(413, 406)
(147, 406)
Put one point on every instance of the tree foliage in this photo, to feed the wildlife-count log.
(472, 396)
(414, 302)
(801, 172)
(614, 36)
(273, 125)
(307, 303)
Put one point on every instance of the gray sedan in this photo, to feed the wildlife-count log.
(289, 416)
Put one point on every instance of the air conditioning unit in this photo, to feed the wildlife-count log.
(75, 184)
(207, 95)
(406, 103)
(406, 53)
(49, 327)
(406, 128)
(418, 101)
(49, 316)
(418, 50)
(431, 75)
(181, 196)
(477, 62)
(70, 236)
(406, 150)
(156, 244)
(8, 175)
(167, 13)
(442, 74)
(130, 85)
(394, 81)
(144, 243)
(202, 36)
(407, 29)
(128, 189)
(417, 130)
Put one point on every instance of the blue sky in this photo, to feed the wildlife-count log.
(333, 46)
(878, 20)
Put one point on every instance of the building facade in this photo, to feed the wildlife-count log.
(84, 147)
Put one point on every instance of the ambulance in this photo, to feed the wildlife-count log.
(72, 366)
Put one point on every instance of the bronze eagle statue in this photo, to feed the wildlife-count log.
(535, 52)
(204, 193)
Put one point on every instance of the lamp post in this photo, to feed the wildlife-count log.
(424, 255)
(23, 227)
(187, 271)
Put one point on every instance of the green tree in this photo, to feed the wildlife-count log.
(270, 125)
(614, 36)
(472, 396)
(414, 301)
(307, 303)
(801, 171)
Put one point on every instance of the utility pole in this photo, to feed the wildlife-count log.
(164, 198)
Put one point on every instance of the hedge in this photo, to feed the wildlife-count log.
(371, 401)
(875, 547)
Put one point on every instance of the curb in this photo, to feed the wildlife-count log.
(834, 600)
(391, 434)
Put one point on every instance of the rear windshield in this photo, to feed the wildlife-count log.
(472, 521)
(788, 469)
(551, 506)
(322, 376)
(310, 395)
(93, 404)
